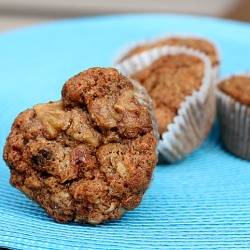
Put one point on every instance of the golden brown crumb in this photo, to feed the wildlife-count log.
(194, 43)
(88, 157)
(168, 81)
(238, 87)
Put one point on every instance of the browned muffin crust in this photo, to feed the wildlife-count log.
(194, 43)
(238, 87)
(168, 81)
(88, 157)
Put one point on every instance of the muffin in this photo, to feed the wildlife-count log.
(179, 82)
(233, 104)
(197, 43)
(90, 156)
(168, 81)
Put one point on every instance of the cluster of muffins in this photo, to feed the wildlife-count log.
(90, 156)
(175, 80)
(178, 73)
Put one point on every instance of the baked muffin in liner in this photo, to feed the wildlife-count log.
(234, 120)
(203, 44)
(196, 114)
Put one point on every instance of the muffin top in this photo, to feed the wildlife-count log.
(238, 87)
(88, 157)
(194, 43)
(168, 81)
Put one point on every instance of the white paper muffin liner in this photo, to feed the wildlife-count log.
(234, 122)
(195, 115)
(127, 48)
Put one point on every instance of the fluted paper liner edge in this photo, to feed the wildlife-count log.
(234, 122)
(128, 47)
(195, 115)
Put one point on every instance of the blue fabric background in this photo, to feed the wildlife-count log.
(202, 202)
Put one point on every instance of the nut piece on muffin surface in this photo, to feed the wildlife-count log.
(90, 156)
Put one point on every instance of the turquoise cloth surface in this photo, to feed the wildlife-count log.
(202, 202)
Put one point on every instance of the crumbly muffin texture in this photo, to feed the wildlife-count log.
(194, 43)
(168, 81)
(88, 157)
(238, 87)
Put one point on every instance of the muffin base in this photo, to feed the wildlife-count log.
(234, 123)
